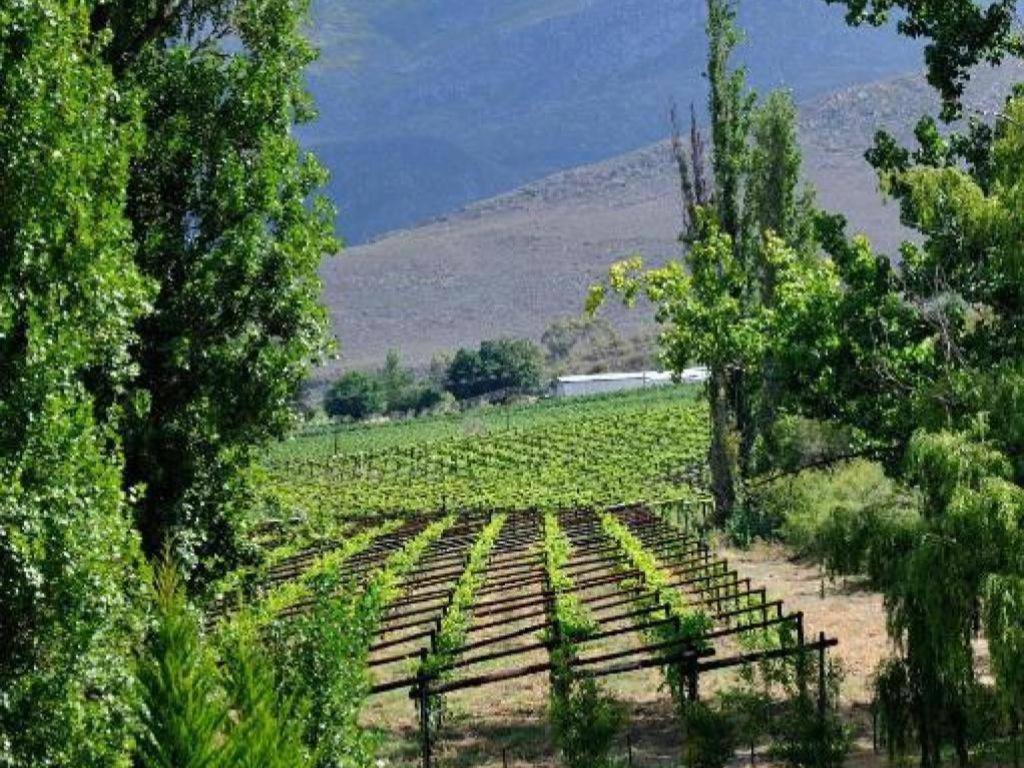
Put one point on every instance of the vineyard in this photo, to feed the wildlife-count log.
(649, 445)
(569, 547)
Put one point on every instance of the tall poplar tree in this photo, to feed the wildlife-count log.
(229, 227)
(742, 229)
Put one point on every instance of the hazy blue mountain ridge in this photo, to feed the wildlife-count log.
(427, 105)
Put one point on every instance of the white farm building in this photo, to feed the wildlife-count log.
(597, 383)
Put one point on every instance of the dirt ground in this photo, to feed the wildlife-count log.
(846, 610)
(511, 718)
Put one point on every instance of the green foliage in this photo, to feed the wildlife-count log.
(356, 395)
(392, 389)
(1004, 621)
(709, 735)
(749, 299)
(451, 635)
(623, 448)
(934, 575)
(504, 365)
(69, 295)
(586, 723)
(322, 655)
(805, 739)
(584, 718)
(894, 701)
(690, 621)
(228, 226)
(835, 515)
(395, 381)
(795, 442)
(207, 706)
(960, 34)
(570, 615)
(266, 730)
(185, 711)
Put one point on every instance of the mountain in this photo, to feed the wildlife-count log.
(428, 105)
(510, 264)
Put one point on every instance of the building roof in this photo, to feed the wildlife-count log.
(638, 375)
(698, 373)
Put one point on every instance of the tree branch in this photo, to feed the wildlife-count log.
(155, 27)
(874, 452)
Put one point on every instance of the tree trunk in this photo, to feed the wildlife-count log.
(1016, 739)
(746, 424)
(963, 756)
(720, 453)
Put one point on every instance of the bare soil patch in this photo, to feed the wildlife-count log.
(845, 609)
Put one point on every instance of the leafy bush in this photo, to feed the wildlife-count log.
(417, 399)
(390, 389)
(805, 739)
(497, 366)
(395, 383)
(356, 395)
(586, 722)
(322, 656)
(185, 712)
(795, 441)
(832, 515)
(710, 737)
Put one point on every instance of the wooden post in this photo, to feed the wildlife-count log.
(423, 695)
(822, 693)
(874, 726)
(629, 749)
(801, 658)
(504, 758)
(691, 679)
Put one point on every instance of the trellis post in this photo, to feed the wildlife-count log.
(822, 693)
(692, 691)
(423, 695)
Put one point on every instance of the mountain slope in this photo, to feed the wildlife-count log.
(508, 265)
(513, 90)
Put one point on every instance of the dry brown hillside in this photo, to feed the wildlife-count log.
(508, 265)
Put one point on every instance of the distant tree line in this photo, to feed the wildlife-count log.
(496, 370)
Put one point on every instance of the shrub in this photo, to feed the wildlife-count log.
(210, 709)
(586, 722)
(416, 399)
(804, 739)
(709, 735)
(356, 395)
(504, 365)
(795, 441)
(831, 514)
(184, 712)
(803, 736)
